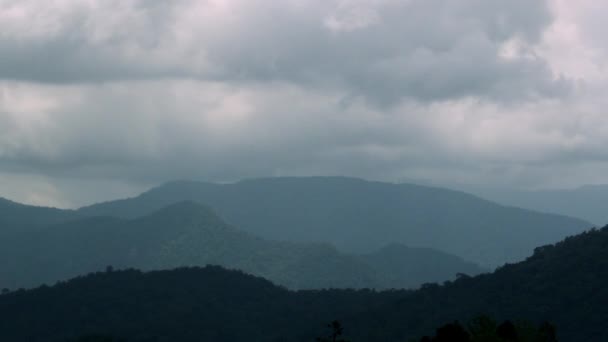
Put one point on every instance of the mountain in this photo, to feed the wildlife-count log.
(15, 217)
(190, 234)
(188, 304)
(587, 202)
(362, 216)
(566, 284)
(403, 267)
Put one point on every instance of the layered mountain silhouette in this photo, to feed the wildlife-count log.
(362, 216)
(190, 234)
(566, 284)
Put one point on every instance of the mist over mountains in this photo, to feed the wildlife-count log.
(298, 171)
(190, 234)
(586, 202)
(298, 234)
(359, 216)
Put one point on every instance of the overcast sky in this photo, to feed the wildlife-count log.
(104, 98)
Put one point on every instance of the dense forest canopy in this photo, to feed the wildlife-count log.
(565, 284)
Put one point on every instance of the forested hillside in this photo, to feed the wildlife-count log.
(190, 234)
(566, 284)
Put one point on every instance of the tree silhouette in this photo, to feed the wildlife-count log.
(453, 332)
(507, 331)
(485, 329)
(335, 335)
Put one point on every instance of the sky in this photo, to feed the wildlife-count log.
(101, 99)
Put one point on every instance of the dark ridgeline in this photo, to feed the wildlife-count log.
(361, 216)
(190, 234)
(566, 284)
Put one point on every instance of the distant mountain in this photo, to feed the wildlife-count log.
(588, 202)
(404, 267)
(566, 284)
(362, 216)
(19, 217)
(190, 234)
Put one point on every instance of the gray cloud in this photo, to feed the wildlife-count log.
(121, 95)
(380, 50)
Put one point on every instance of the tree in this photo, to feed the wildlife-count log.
(507, 331)
(453, 332)
(335, 335)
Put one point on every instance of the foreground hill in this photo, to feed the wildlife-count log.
(209, 304)
(189, 234)
(361, 216)
(566, 284)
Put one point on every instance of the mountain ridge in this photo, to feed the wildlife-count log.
(190, 234)
(360, 216)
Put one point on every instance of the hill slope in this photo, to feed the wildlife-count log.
(587, 202)
(361, 216)
(16, 217)
(209, 304)
(189, 234)
(566, 284)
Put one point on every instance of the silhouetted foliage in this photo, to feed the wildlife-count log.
(336, 333)
(453, 332)
(566, 284)
(485, 329)
(96, 338)
(507, 331)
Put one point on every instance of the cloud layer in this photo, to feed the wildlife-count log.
(133, 93)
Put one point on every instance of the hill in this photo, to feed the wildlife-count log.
(361, 216)
(190, 234)
(587, 202)
(400, 266)
(566, 284)
(16, 217)
(209, 304)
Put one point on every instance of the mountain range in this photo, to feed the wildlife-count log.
(586, 202)
(190, 234)
(565, 283)
(360, 216)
